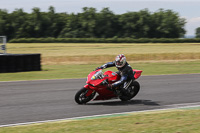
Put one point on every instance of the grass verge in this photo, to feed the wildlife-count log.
(82, 70)
(178, 121)
(73, 53)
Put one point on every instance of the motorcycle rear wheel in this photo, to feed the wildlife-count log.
(81, 97)
(135, 88)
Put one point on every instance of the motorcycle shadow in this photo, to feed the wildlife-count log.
(130, 102)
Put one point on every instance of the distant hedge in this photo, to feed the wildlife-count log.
(103, 40)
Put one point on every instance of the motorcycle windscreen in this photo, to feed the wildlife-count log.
(92, 79)
(137, 73)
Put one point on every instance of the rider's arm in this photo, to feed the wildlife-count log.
(109, 64)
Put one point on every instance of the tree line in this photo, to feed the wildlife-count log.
(91, 24)
(197, 32)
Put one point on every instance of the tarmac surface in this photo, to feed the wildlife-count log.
(30, 101)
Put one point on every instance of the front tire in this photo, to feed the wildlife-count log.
(81, 97)
(133, 90)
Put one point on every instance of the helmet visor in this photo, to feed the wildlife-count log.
(118, 63)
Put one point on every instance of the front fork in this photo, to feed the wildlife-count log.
(90, 91)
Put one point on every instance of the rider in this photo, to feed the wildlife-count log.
(124, 70)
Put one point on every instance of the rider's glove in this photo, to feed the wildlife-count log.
(98, 68)
(102, 67)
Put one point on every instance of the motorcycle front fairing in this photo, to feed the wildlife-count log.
(95, 78)
(96, 81)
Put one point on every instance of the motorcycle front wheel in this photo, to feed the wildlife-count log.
(81, 97)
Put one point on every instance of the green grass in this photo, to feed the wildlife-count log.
(82, 70)
(73, 49)
(180, 121)
(73, 53)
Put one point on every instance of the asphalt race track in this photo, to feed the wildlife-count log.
(29, 101)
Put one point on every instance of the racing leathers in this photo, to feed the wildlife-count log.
(125, 72)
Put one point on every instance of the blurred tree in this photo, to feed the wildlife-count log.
(87, 20)
(198, 32)
(136, 24)
(5, 25)
(107, 24)
(82, 25)
(143, 24)
(128, 24)
(37, 23)
(91, 24)
(55, 22)
(72, 27)
(167, 24)
(20, 24)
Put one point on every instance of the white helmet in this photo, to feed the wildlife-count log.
(120, 61)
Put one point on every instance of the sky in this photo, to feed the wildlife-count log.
(188, 9)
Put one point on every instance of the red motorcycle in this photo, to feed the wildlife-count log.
(97, 83)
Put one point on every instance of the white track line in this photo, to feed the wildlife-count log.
(183, 104)
(168, 107)
(38, 80)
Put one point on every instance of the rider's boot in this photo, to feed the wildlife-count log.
(118, 91)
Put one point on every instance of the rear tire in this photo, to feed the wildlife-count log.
(135, 88)
(81, 97)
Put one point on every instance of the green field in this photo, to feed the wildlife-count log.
(171, 121)
(73, 49)
(76, 60)
(82, 70)
(76, 53)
